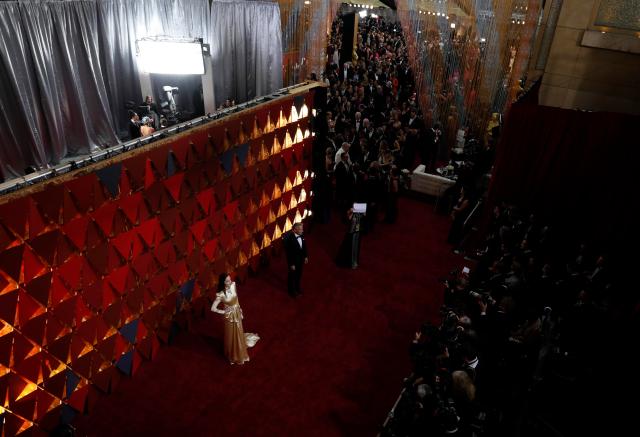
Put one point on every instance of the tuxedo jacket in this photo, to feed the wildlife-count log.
(134, 130)
(295, 253)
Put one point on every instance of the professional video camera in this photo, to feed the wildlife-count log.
(169, 106)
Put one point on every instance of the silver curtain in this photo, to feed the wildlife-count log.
(117, 22)
(22, 125)
(246, 49)
(69, 66)
(58, 44)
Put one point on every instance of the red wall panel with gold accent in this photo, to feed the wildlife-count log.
(95, 266)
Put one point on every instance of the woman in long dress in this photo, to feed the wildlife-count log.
(235, 340)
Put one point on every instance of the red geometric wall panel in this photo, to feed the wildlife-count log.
(96, 266)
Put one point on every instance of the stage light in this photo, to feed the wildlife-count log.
(453, 25)
(170, 56)
(307, 2)
(363, 13)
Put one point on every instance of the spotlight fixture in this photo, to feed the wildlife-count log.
(170, 55)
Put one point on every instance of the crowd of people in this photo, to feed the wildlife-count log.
(527, 311)
(372, 125)
(372, 134)
(522, 318)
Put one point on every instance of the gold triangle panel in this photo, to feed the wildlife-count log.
(89, 279)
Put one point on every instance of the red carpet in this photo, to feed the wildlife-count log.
(329, 363)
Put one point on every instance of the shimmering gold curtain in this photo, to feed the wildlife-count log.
(305, 26)
(468, 57)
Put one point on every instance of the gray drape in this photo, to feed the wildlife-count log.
(22, 126)
(117, 22)
(64, 46)
(60, 100)
(68, 67)
(246, 49)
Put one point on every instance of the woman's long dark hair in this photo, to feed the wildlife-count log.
(221, 279)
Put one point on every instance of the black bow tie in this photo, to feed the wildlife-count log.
(298, 236)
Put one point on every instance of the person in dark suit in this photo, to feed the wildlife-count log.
(296, 250)
(134, 125)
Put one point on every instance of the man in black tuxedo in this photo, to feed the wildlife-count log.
(134, 125)
(296, 250)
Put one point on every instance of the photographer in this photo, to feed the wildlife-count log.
(150, 109)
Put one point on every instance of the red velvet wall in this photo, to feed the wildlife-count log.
(574, 169)
(94, 268)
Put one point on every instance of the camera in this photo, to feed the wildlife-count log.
(168, 88)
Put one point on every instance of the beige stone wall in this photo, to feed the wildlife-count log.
(576, 76)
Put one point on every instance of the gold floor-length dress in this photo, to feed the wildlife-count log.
(235, 340)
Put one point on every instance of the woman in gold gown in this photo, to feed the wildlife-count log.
(236, 341)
